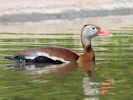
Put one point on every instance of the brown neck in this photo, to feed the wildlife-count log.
(88, 51)
(87, 48)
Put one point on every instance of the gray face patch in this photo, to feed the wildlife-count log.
(88, 32)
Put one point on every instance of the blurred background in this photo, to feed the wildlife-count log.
(52, 16)
(37, 23)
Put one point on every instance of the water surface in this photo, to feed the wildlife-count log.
(110, 80)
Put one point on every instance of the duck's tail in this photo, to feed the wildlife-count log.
(10, 57)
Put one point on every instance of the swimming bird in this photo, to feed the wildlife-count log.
(59, 55)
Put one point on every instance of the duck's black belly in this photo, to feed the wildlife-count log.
(38, 59)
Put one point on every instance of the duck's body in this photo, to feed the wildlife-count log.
(53, 55)
(58, 55)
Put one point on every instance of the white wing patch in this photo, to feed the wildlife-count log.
(30, 57)
(46, 55)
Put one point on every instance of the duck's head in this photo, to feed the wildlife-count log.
(89, 31)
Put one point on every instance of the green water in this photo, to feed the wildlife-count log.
(113, 62)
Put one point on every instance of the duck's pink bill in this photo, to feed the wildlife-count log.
(104, 33)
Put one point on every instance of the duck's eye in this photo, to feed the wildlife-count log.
(93, 28)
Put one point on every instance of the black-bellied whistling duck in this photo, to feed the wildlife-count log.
(59, 55)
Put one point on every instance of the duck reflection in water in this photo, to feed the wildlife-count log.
(50, 70)
(91, 88)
